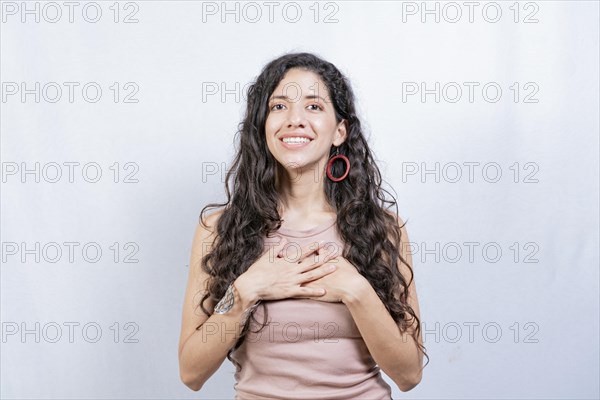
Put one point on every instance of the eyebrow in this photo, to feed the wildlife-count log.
(310, 96)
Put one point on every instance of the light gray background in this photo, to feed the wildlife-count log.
(547, 310)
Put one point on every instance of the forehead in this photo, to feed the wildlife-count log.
(300, 81)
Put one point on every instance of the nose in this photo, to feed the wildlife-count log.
(296, 117)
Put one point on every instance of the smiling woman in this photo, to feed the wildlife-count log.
(305, 244)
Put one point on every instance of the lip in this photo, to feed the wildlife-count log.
(294, 146)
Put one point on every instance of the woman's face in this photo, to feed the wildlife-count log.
(300, 106)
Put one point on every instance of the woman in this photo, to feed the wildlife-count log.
(304, 278)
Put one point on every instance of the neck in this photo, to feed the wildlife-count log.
(302, 192)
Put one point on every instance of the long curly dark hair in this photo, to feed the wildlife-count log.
(251, 213)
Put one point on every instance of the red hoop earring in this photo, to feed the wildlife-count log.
(331, 160)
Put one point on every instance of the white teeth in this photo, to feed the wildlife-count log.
(296, 140)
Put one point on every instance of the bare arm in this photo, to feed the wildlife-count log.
(396, 353)
(202, 351)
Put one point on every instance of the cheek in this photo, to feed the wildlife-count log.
(271, 125)
(270, 132)
(323, 123)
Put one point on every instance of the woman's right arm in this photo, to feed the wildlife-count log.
(203, 350)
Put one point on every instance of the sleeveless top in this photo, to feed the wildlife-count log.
(309, 349)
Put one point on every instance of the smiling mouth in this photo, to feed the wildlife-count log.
(295, 144)
(296, 140)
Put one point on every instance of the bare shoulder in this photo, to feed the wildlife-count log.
(407, 271)
(204, 236)
(203, 242)
(206, 231)
(404, 247)
(210, 221)
(401, 224)
(198, 278)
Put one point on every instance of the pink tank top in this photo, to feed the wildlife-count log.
(310, 349)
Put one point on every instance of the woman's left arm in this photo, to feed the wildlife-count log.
(396, 353)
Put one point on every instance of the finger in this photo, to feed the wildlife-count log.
(304, 267)
(308, 292)
(317, 273)
(311, 249)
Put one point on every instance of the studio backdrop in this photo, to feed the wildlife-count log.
(117, 126)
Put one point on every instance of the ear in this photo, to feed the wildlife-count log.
(341, 133)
